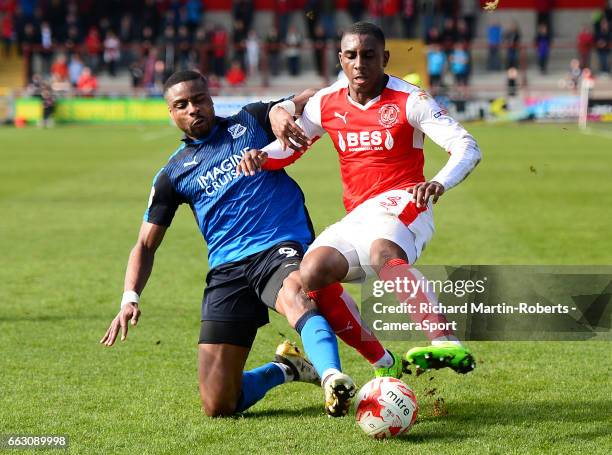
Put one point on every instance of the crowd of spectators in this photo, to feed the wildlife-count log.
(414, 15)
(591, 38)
(60, 39)
(448, 36)
(73, 42)
(153, 38)
(66, 39)
(596, 38)
(510, 40)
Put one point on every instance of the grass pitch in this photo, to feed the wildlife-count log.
(72, 199)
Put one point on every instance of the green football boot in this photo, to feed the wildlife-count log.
(443, 355)
(395, 371)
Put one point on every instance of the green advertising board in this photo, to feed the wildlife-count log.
(96, 110)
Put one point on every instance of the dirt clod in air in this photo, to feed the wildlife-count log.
(440, 407)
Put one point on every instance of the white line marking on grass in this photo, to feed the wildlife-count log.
(592, 132)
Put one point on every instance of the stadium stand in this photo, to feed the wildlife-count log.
(131, 46)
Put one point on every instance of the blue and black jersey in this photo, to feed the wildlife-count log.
(237, 215)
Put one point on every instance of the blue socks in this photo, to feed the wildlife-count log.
(257, 382)
(321, 348)
(319, 340)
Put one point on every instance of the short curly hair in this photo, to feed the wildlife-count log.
(366, 28)
(183, 76)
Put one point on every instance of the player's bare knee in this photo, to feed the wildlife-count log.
(292, 284)
(218, 407)
(383, 250)
(317, 273)
(292, 301)
(220, 380)
(286, 295)
(217, 404)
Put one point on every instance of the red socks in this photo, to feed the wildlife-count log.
(337, 306)
(398, 268)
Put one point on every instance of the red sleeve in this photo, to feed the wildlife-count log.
(274, 164)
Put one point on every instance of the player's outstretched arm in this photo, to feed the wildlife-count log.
(278, 154)
(282, 119)
(140, 265)
(425, 115)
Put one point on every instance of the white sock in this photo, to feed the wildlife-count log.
(327, 373)
(385, 361)
(440, 340)
(286, 371)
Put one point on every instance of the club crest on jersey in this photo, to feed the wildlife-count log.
(388, 115)
(236, 130)
(288, 251)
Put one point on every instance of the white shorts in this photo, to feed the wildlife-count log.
(392, 216)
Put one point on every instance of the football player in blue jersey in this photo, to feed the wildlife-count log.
(256, 229)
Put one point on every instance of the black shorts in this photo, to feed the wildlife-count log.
(238, 294)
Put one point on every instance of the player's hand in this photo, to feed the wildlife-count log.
(129, 312)
(288, 133)
(251, 162)
(421, 192)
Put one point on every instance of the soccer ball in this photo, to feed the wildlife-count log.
(385, 407)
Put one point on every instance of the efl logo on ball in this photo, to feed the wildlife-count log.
(386, 407)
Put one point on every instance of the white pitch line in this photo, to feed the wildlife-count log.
(592, 132)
